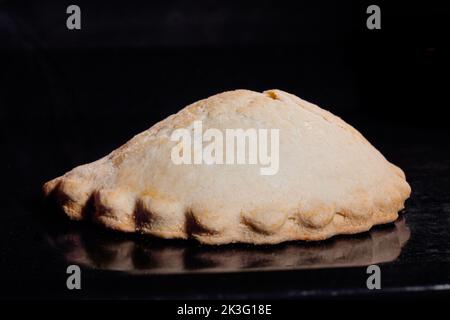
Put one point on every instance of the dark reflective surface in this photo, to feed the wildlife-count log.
(98, 249)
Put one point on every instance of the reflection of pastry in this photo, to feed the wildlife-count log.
(84, 246)
(330, 180)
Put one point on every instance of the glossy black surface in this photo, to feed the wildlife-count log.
(68, 99)
(94, 249)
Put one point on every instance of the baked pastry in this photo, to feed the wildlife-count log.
(329, 179)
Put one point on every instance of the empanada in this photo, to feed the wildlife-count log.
(328, 180)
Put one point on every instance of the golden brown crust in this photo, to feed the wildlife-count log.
(331, 180)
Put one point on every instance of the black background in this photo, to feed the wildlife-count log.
(69, 97)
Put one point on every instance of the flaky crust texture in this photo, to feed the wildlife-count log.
(331, 180)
